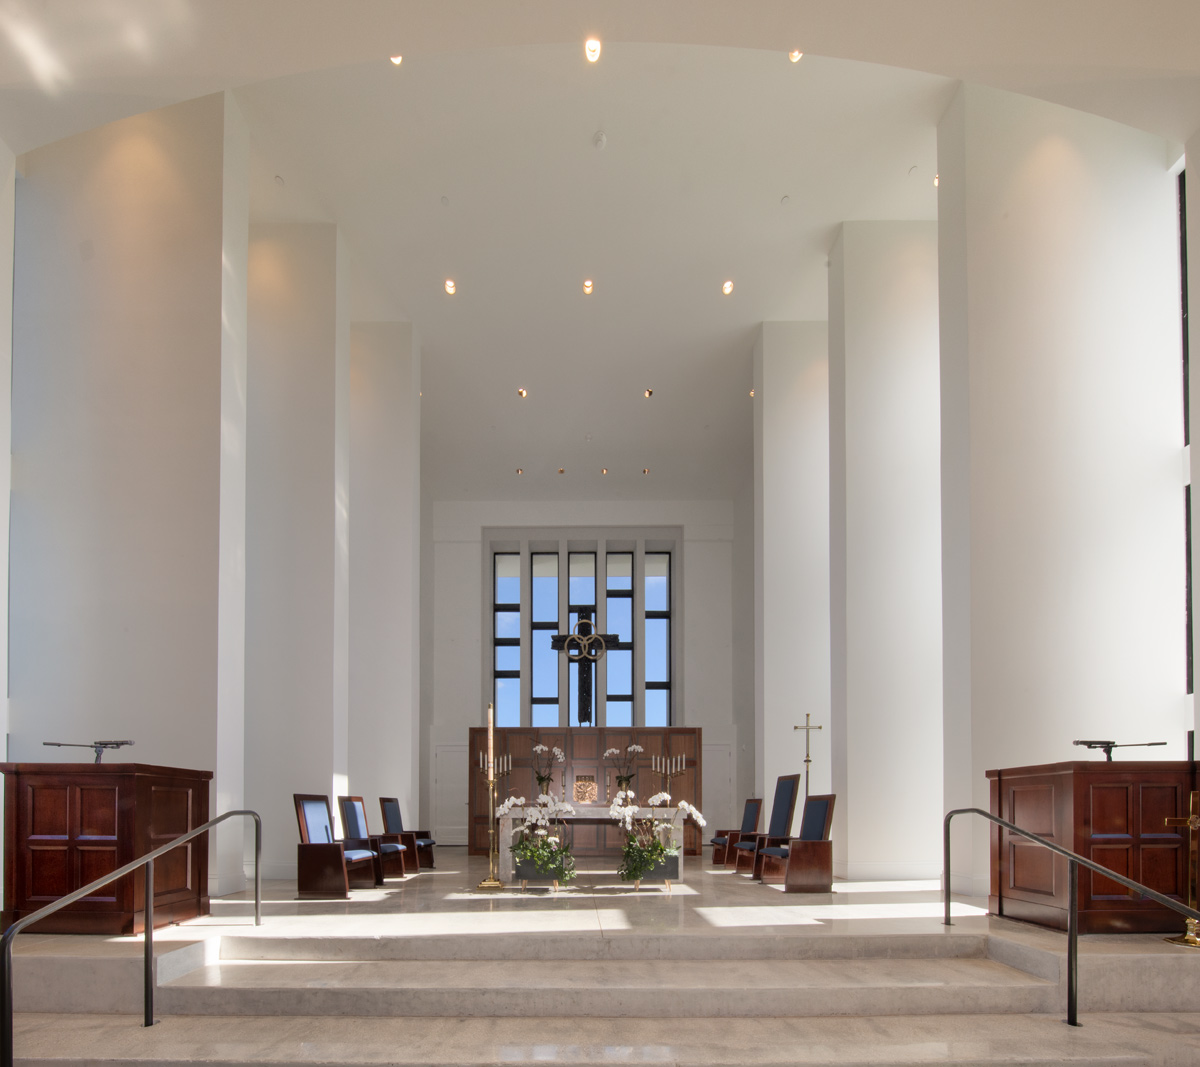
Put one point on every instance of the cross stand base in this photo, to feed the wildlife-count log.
(1189, 939)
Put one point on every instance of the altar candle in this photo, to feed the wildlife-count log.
(491, 717)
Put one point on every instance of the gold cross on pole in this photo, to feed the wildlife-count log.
(1192, 822)
(808, 729)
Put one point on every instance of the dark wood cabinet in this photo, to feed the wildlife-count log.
(1111, 813)
(67, 824)
(586, 769)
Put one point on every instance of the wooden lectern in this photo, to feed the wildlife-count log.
(67, 824)
(1111, 813)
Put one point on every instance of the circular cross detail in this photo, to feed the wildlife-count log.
(580, 646)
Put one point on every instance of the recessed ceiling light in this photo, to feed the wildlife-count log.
(603, 470)
(648, 393)
(591, 49)
(727, 288)
(587, 287)
(752, 392)
(397, 60)
(795, 54)
(520, 470)
(522, 393)
(645, 470)
(450, 286)
(561, 470)
(935, 181)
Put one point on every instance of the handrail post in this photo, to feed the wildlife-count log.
(257, 871)
(6, 1023)
(148, 969)
(946, 866)
(1073, 943)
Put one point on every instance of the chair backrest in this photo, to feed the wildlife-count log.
(392, 821)
(751, 815)
(314, 817)
(354, 817)
(783, 808)
(817, 817)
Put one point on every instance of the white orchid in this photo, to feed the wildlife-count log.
(541, 748)
(635, 748)
(610, 752)
(661, 798)
(508, 805)
(558, 753)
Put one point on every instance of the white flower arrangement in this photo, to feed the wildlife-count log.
(610, 752)
(661, 798)
(559, 754)
(692, 811)
(540, 748)
(508, 805)
(635, 748)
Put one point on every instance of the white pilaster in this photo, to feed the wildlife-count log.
(117, 603)
(885, 550)
(385, 478)
(791, 474)
(297, 615)
(1061, 441)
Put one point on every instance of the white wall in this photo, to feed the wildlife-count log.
(705, 689)
(385, 468)
(297, 592)
(791, 478)
(117, 423)
(885, 549)
(1062, 437)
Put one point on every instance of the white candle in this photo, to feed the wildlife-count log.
(491, 724)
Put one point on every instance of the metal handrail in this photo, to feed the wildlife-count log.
(1074, 861)
(147, 861)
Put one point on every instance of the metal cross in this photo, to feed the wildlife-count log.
(807, 738)
(584, 646)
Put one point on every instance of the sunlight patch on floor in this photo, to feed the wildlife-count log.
(810, 914)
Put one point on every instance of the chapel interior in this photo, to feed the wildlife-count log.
(831, 359)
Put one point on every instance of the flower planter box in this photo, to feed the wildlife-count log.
(666, 871)
(526, 872)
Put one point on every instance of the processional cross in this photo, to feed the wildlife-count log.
(1192, 822)
(584, 646)
(807, 754)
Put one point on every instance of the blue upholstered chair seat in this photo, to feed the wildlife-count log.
(772, 850)
(388, 846)
(355, 854)
(719, 841)
(746, 844)
(425, 842)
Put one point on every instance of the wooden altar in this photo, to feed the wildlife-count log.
(1111, 813)
(67, 824)
(584, 769)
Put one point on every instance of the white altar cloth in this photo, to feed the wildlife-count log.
(589, 813)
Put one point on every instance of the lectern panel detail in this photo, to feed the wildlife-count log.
(1116, 858)
(172, 809)
(98, 811)
(1161, 869)
(48, 810)
(1032, 807)
(49, 873)
(95, 862)
(1157, 803)
(1112, 809)
(1032, 868)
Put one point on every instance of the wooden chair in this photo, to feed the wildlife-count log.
(393, 855)
(323, 864)
(805, 863)
(421, 842)
(723, 852)
(779, 829)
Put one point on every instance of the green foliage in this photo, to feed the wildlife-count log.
(640, 856)
(548, 854)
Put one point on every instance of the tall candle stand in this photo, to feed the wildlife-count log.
(494, 770)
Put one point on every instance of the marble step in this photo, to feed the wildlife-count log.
(632, 988)
(642, 945)
(918, 1041)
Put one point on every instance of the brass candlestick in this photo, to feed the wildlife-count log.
(495, 771)
(669, 769)
(1192, 823)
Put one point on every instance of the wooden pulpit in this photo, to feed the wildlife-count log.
(1114, 814)
(67, 824)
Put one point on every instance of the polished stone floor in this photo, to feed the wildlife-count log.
(654, 954)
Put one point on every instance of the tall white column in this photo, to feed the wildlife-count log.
(385, 480)
(1061, 441)
(1192, 179)
(791, 580)
(885, 546)
(125, 595)
(297, 536)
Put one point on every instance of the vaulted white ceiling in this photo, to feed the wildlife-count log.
(476, 159)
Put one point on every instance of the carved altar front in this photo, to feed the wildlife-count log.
(587, 776)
